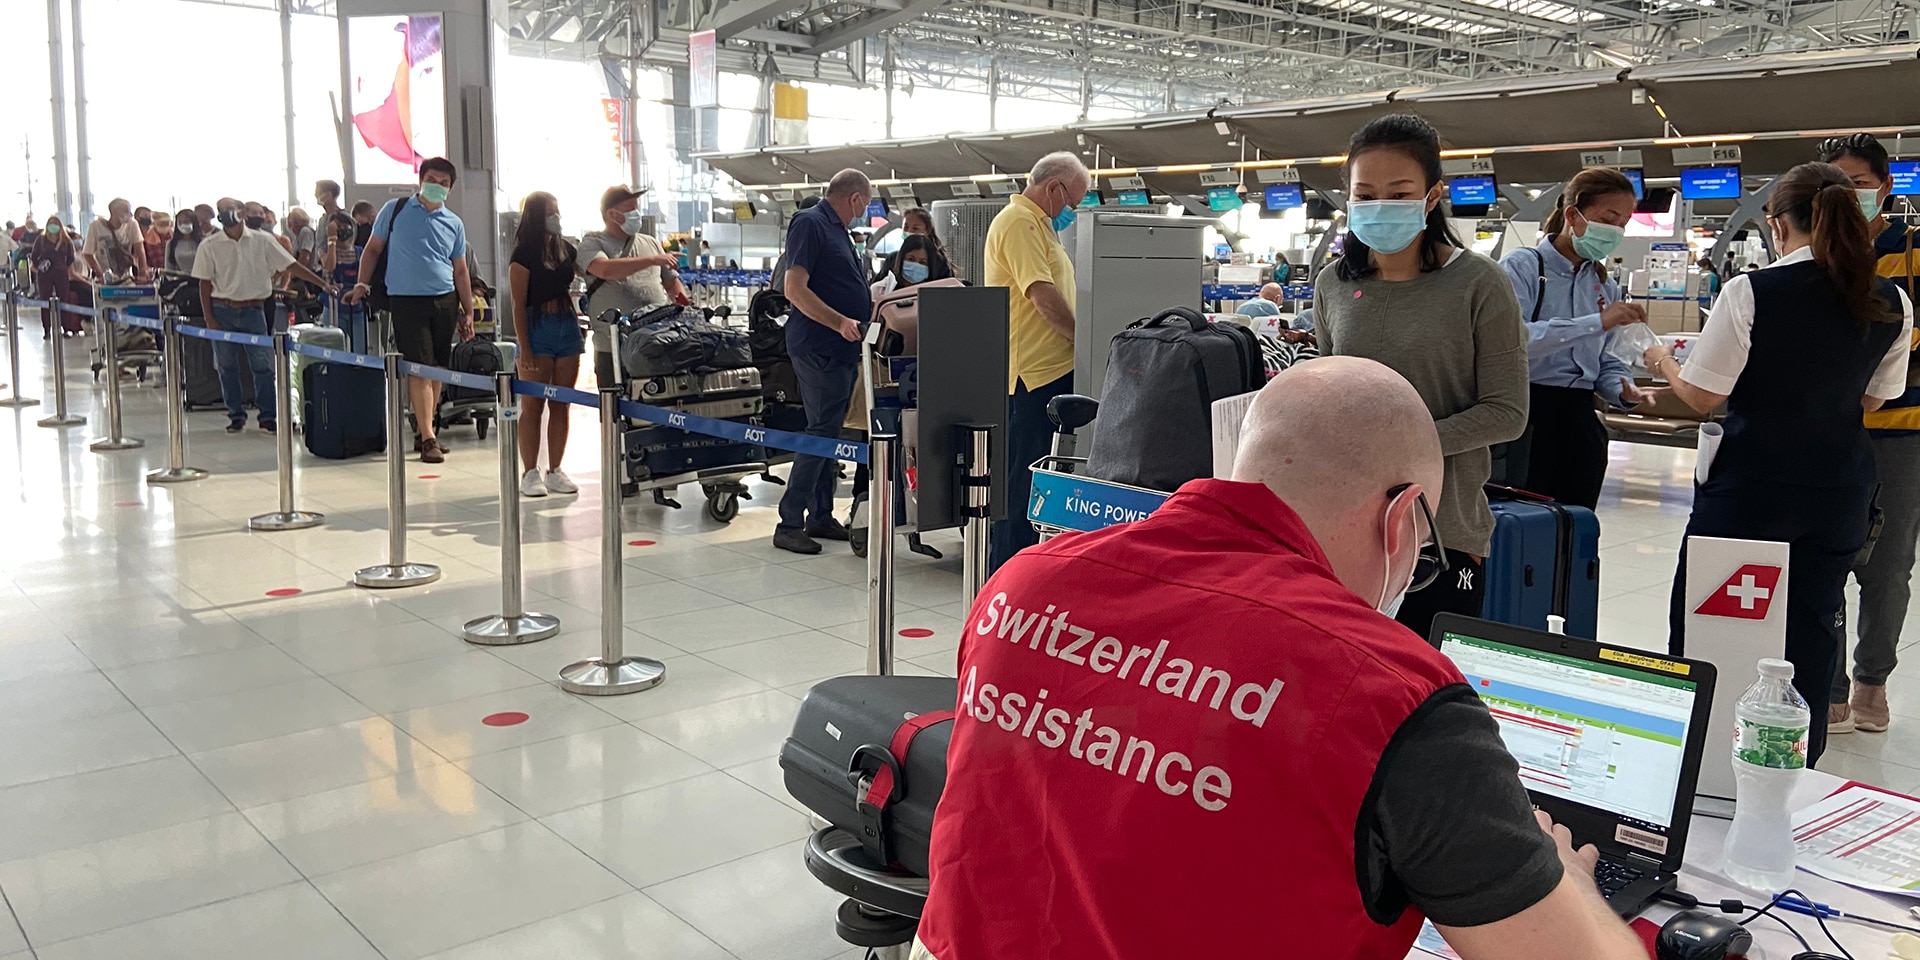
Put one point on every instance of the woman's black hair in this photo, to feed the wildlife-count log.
(1419, 142)
(937, 266)
(531, 237)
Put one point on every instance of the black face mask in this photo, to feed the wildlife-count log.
(256, 223)
(362, 232)
(229, 217)
(343, 234)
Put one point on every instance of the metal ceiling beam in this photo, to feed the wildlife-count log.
(871, 24)
(733, 16)
(773, 37)
(1399, 36)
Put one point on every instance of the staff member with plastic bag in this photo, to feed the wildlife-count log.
(1574, 315)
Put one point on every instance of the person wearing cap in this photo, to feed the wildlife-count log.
(626, 269)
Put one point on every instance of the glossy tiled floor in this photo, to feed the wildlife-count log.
(191, 767)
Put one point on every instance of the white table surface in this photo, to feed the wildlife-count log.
(1701, 877)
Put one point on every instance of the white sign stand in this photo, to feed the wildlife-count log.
(1746, 620)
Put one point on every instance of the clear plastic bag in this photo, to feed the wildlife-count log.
(1629, 343)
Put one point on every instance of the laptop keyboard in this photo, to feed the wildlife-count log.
(1612, 876)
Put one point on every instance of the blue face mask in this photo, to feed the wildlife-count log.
(1064, 218)
(633, 223)
(913, 272)
(1387, 226)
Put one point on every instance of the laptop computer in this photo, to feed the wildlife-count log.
(1609, 741)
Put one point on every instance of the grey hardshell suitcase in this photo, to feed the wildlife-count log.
(846, 732)
(712, 385)
(1156, 406)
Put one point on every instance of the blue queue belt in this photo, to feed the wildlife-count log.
(64, 308)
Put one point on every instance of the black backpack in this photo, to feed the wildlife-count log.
(475, 356)
(1156, 406)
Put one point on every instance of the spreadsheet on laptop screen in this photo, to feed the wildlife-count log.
(1601, 734)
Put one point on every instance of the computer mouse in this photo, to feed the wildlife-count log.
(1699, 935)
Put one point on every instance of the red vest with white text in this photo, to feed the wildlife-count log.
(1163, 746)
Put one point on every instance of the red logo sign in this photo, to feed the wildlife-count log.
(1745, 596)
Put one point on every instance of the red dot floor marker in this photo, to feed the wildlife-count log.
(641, 543)
(284, 592)
(916, 633)
(504, 719)
(129, 503)
(429, 476)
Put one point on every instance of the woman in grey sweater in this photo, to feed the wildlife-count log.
(1407, 293)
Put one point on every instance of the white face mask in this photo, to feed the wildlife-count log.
(1391, 607)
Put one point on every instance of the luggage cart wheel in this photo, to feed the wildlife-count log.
(723, 506)
(857, 539)
(631, 488)
(480, 425)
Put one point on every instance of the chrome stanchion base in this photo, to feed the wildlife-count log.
(19, 402)
(596, 678)
(297, 520)
(70, 420)
(500, 631)
(182, 475)
(124, 443)
(388, 575)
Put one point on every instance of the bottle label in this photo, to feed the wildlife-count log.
(1783, 748)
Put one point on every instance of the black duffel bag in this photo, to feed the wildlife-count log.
(1156, 409)
(672, 339)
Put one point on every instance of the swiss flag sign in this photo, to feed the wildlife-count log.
(1745, 596)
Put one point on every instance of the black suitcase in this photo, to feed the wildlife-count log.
(344, 413)
(850, 728)
(1156, 406)
(669, 451)
(202, 377)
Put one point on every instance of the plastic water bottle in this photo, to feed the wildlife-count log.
(1769, 751)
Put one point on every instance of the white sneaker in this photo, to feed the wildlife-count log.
(559, 482)
(530, 485)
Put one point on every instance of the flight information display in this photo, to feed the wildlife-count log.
(1906, 177)
(1710, 183)
(1285, 196)
(1472, 192)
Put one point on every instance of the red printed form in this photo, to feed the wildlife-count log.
(1864, 838)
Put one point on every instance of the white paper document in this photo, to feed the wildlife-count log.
(1227, 413)
(1863, 838)
(1710, 435)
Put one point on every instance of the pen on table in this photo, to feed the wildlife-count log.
(1810, 908)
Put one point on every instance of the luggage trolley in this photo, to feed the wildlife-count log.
(1063, 498)
(136, 348)
(661, 458)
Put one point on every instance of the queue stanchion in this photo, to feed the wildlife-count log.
(396, 572)
(881, 459)
(288, 517)
(977, 479)
(110, 362)
(13, 351)
(60, 418)
(176, 470)
(513, 624)
(613, 671)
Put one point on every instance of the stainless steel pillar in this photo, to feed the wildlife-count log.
(81, 162)
(110, 354)
(396, 572)
(60, 418)
(176, 470)
(881, 458)
(288, 517)
(12, 311)
(613, 671)
(977, 535)
(512, 624)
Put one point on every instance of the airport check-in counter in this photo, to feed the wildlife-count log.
(1127, 266)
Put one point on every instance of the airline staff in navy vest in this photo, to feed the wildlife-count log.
(1797, 351)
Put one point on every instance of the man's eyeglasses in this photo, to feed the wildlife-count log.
(1432, 561)
(1852, 141)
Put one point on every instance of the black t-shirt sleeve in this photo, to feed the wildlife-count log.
(1447, 826)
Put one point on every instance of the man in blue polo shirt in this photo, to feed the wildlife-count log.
(828, 290)
(429, 294)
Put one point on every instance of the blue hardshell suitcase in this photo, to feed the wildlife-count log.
(344, 410)
(1545, 560)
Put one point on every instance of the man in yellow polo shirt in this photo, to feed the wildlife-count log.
(1024, 254)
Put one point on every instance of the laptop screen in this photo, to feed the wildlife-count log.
(1602, 734)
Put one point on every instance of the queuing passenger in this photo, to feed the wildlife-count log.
(626, 270)
(113, 248)
(304, 237)
(183, 243)
(155, 240)
(341, 263)
(1709, 275)
(56, 265)
(1465, 351)
(363, 214)
(235, 268)
(1267, 304)
(1271, 591)
(144, 217)
(1571, 307)
(915, 221)
(326, 193)
(1024, 254)
(547, 327)
(827, 285)
(208, 219)
(429, 293)
(1894, 431)
(918, 260)
(1796, 352)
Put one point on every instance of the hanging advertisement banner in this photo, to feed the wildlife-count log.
(615, 112)
(395, 95)
(703, 70)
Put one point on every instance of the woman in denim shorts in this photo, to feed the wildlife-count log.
(548, 330)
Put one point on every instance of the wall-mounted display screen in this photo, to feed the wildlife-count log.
(1223, 198)
(1906, 178)
(1639, 183)
(1134, 198)
(1092, 199)
(1285, 196)
(396, 93)
(1472, 192)
(1710, 183)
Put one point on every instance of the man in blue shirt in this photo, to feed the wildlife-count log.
(828, 290)
(429, 293)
